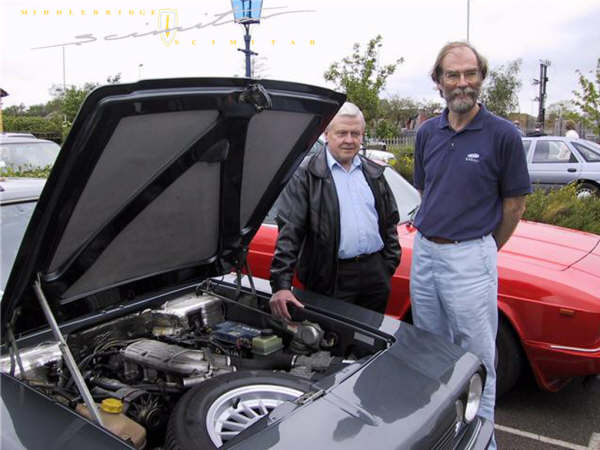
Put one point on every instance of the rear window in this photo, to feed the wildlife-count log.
(589, 153)
(28, 155)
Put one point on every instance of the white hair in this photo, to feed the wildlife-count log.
(349, 110)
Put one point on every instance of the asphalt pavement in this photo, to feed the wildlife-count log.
(530, 419)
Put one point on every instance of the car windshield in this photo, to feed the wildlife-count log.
(28, 155)
(407, 197)
(14, 217)
(589, 150)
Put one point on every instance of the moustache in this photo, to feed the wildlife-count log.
(464, 91)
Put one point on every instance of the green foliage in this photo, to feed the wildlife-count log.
(26, 172)
(587, 98)
(72, 98)
(360, 77)
(404, 163)
(385, 129)
(562, 207)
(500, 92)
(28, 124)
(397, 111)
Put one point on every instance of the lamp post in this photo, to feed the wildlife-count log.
(247, 12)
(468, 18)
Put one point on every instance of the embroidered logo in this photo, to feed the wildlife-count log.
(472, 157)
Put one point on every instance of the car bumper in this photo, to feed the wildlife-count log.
(478, 435)
(554, 365)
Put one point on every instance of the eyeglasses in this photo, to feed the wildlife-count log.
(469, 75)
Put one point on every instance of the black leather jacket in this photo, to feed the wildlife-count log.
(309, 225)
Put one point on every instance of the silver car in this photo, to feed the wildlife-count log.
(23, 151)
(555, 161)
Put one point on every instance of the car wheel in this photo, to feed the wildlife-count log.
(216, 411)
(509, 359)
(586, 190)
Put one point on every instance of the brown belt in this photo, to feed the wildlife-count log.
(441, 240)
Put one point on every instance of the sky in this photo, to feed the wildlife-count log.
(296, 41)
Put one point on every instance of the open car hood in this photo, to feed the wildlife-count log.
(160, 183)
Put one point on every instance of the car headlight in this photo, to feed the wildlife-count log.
(473, 397)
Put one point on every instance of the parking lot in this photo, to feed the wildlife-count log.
(530, 419)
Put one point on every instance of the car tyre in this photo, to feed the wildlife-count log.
(586, 190)
(509, 358)
(214, 412)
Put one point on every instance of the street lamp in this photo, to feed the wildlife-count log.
(247, 12)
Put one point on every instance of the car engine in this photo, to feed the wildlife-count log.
(149, 359)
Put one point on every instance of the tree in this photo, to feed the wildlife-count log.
(587, 98)
(15, 110)
(115, 79)
(361, 78)
(558, 113)
(398, 111)
(71, 99)
(430, 108)
(500, 92)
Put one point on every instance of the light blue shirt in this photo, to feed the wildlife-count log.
(359, 223)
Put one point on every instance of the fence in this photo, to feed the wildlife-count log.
(400, 141)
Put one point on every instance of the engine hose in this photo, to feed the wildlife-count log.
(276, 361)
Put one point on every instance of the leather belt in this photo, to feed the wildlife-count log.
(356, 258)
(441, 240)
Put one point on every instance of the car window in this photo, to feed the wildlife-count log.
(588, 153)
(14, 217)
(526, 145)
(553, 152)
(28, 154)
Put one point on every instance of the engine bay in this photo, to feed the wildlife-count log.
(149, 359)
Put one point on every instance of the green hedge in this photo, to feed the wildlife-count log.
(39, 126)
(26, 172)
(560, 207)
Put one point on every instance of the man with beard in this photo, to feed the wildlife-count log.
(471, 172)
(337, 222)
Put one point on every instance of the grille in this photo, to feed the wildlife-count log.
(447, 440)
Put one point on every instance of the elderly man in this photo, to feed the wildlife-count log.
(337, 224)
(471, 171)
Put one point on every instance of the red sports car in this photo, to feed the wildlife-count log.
(548, 300)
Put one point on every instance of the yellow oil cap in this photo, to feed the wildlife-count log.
(111, 405)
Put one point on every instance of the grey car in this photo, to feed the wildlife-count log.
(555, 161)
(22, 151)
(117, 331)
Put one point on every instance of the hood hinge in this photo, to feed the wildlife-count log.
(66, 353)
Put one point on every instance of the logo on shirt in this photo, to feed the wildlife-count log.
(472, 157)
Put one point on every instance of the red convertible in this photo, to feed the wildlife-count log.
(548, 301)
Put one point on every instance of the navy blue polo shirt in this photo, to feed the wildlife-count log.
(465, 175)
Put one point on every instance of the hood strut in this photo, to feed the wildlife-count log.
(66, 353)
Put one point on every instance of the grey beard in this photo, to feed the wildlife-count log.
(462, 106)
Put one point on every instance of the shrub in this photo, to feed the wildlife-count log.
(26, 172)
(562, 207)
(404, 163)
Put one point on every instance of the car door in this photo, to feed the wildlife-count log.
(553, 163)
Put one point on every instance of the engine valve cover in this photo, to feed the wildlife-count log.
(167, 358)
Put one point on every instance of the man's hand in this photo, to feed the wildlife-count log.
(512, 211)
(279, 301)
